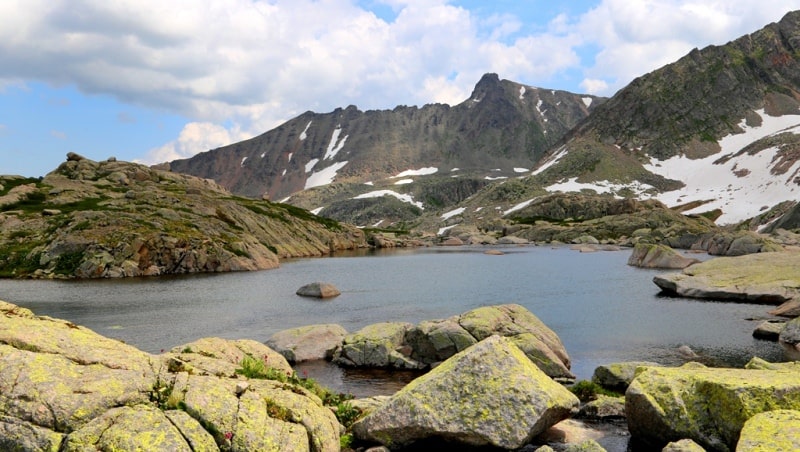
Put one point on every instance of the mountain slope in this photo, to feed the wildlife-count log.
(716, 130)
(501, 130)
(110, 219)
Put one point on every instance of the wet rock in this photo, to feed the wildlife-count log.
(769, 330)
(459, 400)
(307, 343)
(319, 290)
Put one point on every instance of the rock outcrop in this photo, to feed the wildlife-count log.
(617, 376)
(377, 345)
(108, 219)
(770, 278)
(709, 406)
(647, 255)
(307, 343)
(489, 394)
(64, 387)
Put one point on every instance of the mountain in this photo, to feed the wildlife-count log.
(501, 131)
(111, 219)
(716, 131)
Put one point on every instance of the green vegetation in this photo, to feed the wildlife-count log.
(588, 390)
(68, 263)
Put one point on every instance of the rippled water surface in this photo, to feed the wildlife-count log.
(602, 309)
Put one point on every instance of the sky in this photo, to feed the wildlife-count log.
(152, 81)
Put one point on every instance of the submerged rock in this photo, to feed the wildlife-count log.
(707, 405)
(489, 394)
(319, 290)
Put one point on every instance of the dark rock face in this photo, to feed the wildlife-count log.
(503, 125)
(319, 290)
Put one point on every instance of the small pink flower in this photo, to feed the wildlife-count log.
(228, 435)
(305, 374)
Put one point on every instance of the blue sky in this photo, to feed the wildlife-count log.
(152, 81)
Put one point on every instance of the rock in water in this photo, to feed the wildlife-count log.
(489, 394)
(707, 405)
(648, 255)
(319, 290)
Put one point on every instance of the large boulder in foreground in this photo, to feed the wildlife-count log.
(64, 387)
(771, 430)
(709, 406)
(307, 343)
(648, 255)
(771, 278)
(490, 394)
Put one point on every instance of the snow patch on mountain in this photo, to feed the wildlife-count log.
(519, 206)
(521, 92)
(603, 186)
(521, 170)
(311, 164)
(587, 101)
(417, 172)
(551, 161)
(402, 197)
(742, 185)
(335, 145)
(404, 181)
(453, 213)
(303, 134)
(325, 176)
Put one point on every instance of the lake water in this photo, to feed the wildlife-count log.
(602, 309)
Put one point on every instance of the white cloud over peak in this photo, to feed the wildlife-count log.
(194, 138)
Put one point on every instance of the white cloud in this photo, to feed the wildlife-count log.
(257, 63)
(195, 137)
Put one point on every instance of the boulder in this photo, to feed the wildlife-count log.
(769, 330)
(307, 343)
(487, 395)
(617, 376)
(789, 338)
(64, 387)
(433, 341)
(377, 345)
(684, 445)
(512, 240)
(603, 408)
(319, 290)
(771, 430)
(707, 405)
(770, 278)
(647, 255)
(452, 241)
(541, 344)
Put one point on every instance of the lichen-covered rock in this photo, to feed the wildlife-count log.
(139, 427)
(489, 394)
(769, 330)
(707, 405)
(603, 408)
(617, 376)
(647, 255)
(217, 356)
(684, 445)
(771, 431)
(541, 344)
(319, 290)
(307, 343)
(376, 345)
(771, 278)
(433, 341)
(65, 388)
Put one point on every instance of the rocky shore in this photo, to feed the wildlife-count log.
(490, 385)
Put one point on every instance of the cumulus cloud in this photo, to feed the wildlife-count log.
(195, 137)
(256, 63)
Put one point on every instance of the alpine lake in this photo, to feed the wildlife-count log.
(603, 310)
